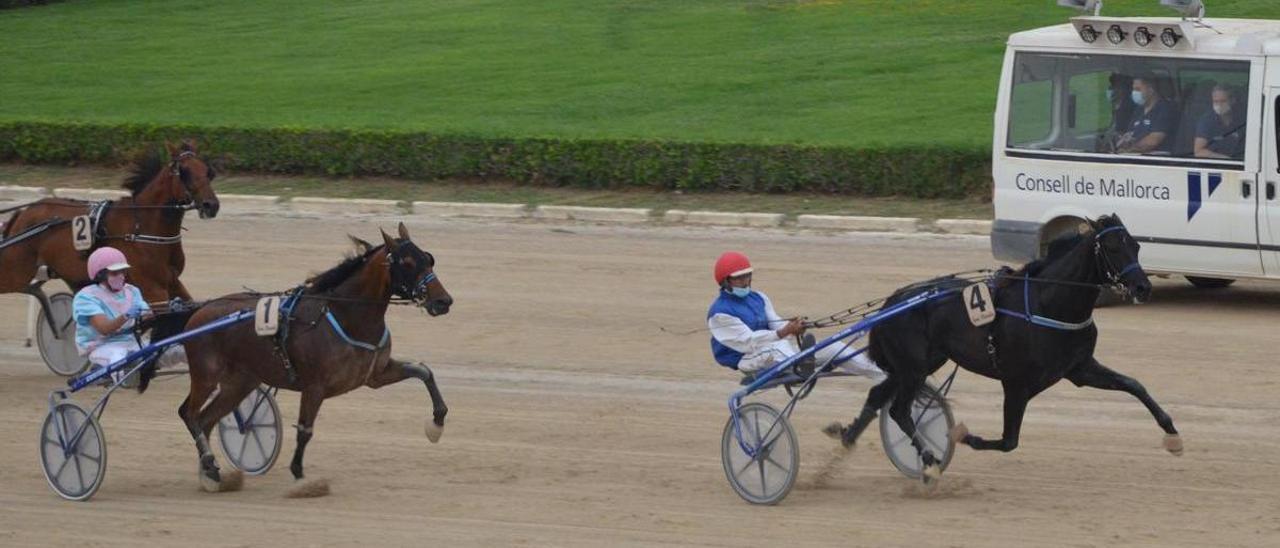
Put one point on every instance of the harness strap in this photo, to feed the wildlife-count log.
(32, 231)
(1041, 320)
(337, 328)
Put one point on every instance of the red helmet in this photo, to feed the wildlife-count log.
(730, 264)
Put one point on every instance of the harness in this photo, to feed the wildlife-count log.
(281, 338)
(1109, 272)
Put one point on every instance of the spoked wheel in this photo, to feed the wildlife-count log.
(933, 424)
(252, 432)
(73, 451)
(767, 477)
(59, 349)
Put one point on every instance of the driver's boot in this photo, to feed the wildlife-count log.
(804, 368)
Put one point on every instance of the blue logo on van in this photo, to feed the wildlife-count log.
(1194, 191)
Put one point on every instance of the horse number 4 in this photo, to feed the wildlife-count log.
(81, 233)
(266, 316)
(977, 298)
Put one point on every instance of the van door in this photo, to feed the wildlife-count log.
(1269, 178)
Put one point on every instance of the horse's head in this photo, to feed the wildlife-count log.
(1117, 256)
(191, 179)
(413, 274)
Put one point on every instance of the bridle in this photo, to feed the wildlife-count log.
(175, 169)
(403, 285)
(1107, 269)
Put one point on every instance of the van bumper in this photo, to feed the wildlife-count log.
(1015, 241)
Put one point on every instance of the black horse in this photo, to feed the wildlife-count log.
(1043, 333)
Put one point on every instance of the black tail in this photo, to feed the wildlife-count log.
(162, 326)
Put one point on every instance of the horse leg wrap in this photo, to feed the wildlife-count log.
(850, 435)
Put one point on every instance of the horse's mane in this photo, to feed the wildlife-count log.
(332, 278)
(1062, 245)
(1058, 248)
(144, 166)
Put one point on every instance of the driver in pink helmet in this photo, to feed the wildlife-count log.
(106, 309)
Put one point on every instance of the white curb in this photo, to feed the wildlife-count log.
(729, 219)
(23, 193)
(90, 194)
(248, 203)
(468, 209)
(340, 205)
(963, 226)
(605, 214)
(850, 222)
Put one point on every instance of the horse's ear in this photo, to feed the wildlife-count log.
(188, 145)
(169, 146)
(386, 238)
(404, 232)
(361, 245)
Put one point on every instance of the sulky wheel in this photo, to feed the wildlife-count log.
(73, 451)
(59, 349)
(933, 424)
(767, 477)
(252, 432)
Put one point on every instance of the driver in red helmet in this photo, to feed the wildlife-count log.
(748, 335)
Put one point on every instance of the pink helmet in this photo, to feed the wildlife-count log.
(106, 258)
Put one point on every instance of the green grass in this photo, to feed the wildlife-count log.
(472, 191)
(748, 71)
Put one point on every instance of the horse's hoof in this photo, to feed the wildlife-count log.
(308, 488)
(931, 474)
(210, 480)
(434, 431)
(834, 430)
(958, 433)
(1173, 444)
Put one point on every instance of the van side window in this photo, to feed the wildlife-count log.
(1129, 106)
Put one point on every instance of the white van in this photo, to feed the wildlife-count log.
(1192, 170)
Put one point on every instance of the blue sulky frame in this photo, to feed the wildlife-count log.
(780, 374)
(70, 442)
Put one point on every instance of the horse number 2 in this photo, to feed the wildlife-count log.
(81, 233)
(978, 303)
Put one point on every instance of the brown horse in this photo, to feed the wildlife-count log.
(146, 226)
(332, 333)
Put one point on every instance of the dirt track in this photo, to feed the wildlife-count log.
(576, 422)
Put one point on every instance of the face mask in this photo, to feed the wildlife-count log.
(740, 291)
(115, 282)
(1222, 110)
(1138, 99)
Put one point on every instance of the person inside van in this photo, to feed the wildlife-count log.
(1152, 125)
(1220, 132)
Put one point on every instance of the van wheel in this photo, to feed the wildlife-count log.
(1209, 283)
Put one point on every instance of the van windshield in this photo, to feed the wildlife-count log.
(1110, 104)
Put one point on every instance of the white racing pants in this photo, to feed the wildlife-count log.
(841, 351)
(112, 352)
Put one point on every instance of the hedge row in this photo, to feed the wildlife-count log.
(909, 171)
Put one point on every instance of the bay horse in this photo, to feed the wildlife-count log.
(1043, 332)
(146, 227)
(335, 336)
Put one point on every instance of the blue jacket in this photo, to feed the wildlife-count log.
(749, 309)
